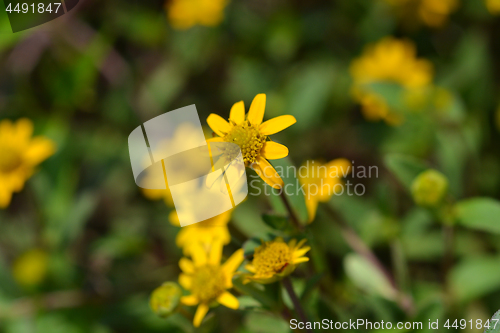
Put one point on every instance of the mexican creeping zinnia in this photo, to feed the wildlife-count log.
(19, 155)
(276, 259)
(208, 280)
(252, 136)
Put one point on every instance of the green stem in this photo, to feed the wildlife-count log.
(291, 213)
(287, 283)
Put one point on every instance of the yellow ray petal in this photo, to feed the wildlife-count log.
(5, 196)
(24, 130)
(228, 300)
(189, 300)
(38, 150)
(218, 124)
(312, 207)
(201, 312)
(300, 260)
(186, 265)
(301, 252)
(237, 113)
(277, 124)
(234, 261)
(185, 281)
(273, 150)
(257, 109)
(215, 252)
(199, 255)
(267, 172)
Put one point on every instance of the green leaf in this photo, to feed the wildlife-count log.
(367, 277)
(480, 214)
(277, 222)
(494, 324)
(259, 322)
(475, 277)
(405, 168)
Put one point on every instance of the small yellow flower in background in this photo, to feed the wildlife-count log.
(429, 188)
(30, 268)
(204, 233)
(165, 299)
(433, 13)
(493, 6)
(208, 280)
(183, 14)
(19, 155)
(251, 134)
(275, 260)
(388, 61)
(320, 181)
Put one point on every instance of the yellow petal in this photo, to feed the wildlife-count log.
(198, 254)
(218, 124)
(312, 207)
(189, 300)
(5, 196)
(237, 113)
(267, 172)
(339, 167)
(215, 252)
(273, 150)
(228, 300)
(257, 109)
(301, 252)
(185, 281)
(201, 312)
(186, 265)
(300, 260)
(24, 130)
(277, 124)
(216, 139)
(234, 261)
(250, 268)
(38, 150)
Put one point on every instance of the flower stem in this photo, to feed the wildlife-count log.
(358, 245)
(291, 213)
(287, 283)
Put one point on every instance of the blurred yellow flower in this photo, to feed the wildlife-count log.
(433, 13)
(388, 61)
(19, 155)
(275, 260)
(165, 299)
(251, 134)
(183, 14)
(320, 181)
(493, 6)
(203, 233)
(30, 268)
(429, 188)
(208, 280)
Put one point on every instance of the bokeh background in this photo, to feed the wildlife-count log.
(97, 246)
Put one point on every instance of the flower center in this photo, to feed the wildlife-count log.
(271, 258)
(248, 138)
(10, 159)
(208, 283)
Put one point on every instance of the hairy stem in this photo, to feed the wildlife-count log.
(287, 283)
(291, 213)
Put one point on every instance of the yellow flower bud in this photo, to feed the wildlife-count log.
(30, 268)
(165, 299)
(429, 188)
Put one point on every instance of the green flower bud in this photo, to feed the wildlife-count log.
(165, 299)
(429, 188)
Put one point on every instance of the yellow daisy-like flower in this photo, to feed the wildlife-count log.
(19, 155)
(431, 12)
(493, 6)
(204, 233)
(183, 14)
(320, 181)
(388, 61)
(31, 268)
(275, 260)
(251, 134)
(208, 280)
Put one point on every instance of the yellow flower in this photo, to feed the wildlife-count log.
(493, 6)
(433, 13)
(30, 268)
(165, 299)
(429, 188)
(208, 280)
(183, 14)
(202, 233)
(19, 155)
(251, 134)
(388, 61)
(320, 181)
(276, 259)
